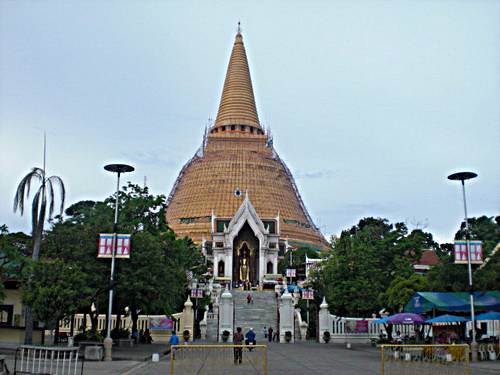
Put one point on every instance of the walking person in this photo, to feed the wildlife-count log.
(265, 332)
(238, 340)
(249, 298)
(174, 340)
(270, 334)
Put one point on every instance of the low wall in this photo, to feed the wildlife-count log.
(15, 335)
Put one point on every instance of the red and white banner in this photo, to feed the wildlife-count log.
(461, 252)
(106, 244)
(290, 272)
(308, 294)
(311, 264)
(196, 293)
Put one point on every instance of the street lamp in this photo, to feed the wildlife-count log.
(118, 169)
(462, 176)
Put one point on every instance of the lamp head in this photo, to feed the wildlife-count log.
(119, 168)
(462, 176)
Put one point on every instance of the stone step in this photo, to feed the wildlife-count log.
(257, 315)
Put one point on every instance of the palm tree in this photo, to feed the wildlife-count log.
(44, 194)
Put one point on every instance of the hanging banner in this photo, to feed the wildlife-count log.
(311, 264)
(461, 252)
(308, 294)
(106, 243)
(161, 323)
(356, 326)
(197, 293)
(290, 272)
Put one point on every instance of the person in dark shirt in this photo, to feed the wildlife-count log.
(147, 336)
(270, 334)
(238, 340)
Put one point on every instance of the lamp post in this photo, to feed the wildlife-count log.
(462, 176)
(118, 169)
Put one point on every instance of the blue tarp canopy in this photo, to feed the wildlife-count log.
(490, 315)
(448, 319)
(459, 302)
(383, 320)
(292, 287)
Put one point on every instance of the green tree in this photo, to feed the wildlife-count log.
(54, 291)
(45, 195)
(451, 277)
(365, 260)
(74, 241)
(298, 260)
(14, 248)
(484, 228)
(153, 280)
(401, 289)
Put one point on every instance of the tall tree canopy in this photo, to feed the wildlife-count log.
(153, 280)
(365, 260)
(451, 277)
(15, 250)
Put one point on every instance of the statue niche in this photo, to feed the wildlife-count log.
(245, 256)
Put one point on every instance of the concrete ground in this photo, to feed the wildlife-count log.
(292, 359)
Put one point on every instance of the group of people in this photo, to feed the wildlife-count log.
(247, 285)
(141, 337)
(238, 340)
(270, 334)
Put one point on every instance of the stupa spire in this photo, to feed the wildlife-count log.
(237, 105)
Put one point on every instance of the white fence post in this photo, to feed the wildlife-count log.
(226, 315)
(324, 320)
(286, 316)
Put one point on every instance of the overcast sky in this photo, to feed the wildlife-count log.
(371, 103)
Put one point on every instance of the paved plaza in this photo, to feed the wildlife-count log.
(293, 359)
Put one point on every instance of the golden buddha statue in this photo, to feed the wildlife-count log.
(244, 269)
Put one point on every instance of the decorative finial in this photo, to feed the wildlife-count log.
(239, 27)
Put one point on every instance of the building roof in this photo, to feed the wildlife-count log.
(453, 301)
(428, 258)
(238, 156)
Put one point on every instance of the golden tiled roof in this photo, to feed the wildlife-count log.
(238, 155)
(237, 105)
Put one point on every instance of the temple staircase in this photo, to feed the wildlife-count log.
(257, 315)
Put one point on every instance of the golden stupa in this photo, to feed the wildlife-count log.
(237, 160)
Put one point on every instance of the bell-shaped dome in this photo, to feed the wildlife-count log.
(238, 158)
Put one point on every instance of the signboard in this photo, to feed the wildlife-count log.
(161, 323)
(106, 244)
(311, 264)
(196, 293)
(461, 253)
(290, 272)
(356, 326)
(308, 294)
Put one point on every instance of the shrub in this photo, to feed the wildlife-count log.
(120, 333)
(89, 336)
